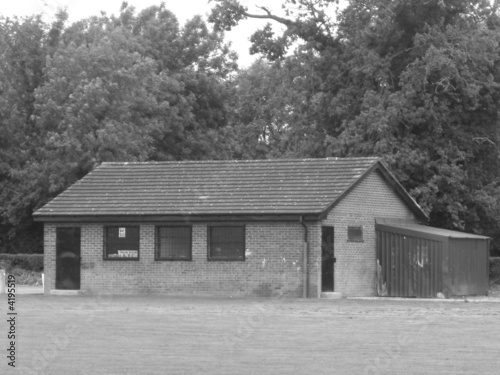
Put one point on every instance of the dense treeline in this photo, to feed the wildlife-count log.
(414, 82)
(134, 87)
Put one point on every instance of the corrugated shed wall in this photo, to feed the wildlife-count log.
(467, 266)
(413, 265)
(408, 266)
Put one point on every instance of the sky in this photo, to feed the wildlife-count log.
(183, 9)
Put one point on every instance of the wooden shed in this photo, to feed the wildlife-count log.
(420, 261)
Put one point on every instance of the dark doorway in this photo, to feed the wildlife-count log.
(68, 258)
(327, 259)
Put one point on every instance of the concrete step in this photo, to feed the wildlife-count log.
(64, 292)
(331, 295)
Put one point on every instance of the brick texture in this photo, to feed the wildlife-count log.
(274, 255)
(273, 264)
(355, 269)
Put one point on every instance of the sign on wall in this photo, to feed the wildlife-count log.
(128, 253)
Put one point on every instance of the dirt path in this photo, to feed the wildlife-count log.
(155, 335)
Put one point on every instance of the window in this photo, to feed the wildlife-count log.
(355, 234)
(173, 243)
(226, 243)
(121, 243)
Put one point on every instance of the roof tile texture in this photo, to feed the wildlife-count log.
(288, 186)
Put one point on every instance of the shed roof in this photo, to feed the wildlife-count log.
(439, 232)
(250, 187)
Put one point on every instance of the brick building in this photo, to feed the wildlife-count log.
(268, 227)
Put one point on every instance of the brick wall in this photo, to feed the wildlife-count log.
(49, 256)
(273, 264)
(314, 260)
(355, 269)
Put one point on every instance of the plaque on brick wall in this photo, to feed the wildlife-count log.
(128, 253)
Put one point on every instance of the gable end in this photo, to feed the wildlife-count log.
(392, 182)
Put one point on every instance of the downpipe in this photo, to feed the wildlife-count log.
(305, 256)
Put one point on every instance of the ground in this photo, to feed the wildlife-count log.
(202, 335)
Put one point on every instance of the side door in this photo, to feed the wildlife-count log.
(68, 245)
(327, 259)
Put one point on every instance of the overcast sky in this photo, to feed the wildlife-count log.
(183, 9)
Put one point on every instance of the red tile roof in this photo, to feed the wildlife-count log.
(297, 186)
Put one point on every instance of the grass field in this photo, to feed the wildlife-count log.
(188, 335)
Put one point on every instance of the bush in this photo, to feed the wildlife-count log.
(27, 240)
(28, 262)
(495, 270)
(24, 277)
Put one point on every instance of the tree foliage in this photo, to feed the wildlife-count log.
(132, 87)
(414, 82)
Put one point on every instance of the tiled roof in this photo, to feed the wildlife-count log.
(298, 186)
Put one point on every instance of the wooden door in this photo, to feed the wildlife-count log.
(68, 243)
(327, 260)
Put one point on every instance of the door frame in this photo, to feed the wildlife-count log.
(71, 259)
(330, 258)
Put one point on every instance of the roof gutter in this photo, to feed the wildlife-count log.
(109, 218)
(305, 270)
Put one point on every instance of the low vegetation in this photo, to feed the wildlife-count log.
(495, 271)
(25, 277)
(27, 268)
(29, 262)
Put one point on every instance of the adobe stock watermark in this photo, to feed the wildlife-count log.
(395, 350)
(258, 318)
(38, 361)
(254, 321)
(250, 324)
(382, 362)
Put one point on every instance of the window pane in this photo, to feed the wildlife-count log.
(174, 243)
(122, 242)
(355, 234)
(227, 243)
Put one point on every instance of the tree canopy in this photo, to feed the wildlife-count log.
(414, 82)
(134, 87)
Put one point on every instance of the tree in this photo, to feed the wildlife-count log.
(432, 96)
(268, 99)
(134, 87)
(416, 83)
(24, 43)
(201, 62)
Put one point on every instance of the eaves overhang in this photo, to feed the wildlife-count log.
(289, 217)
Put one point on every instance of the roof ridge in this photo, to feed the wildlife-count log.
(241, 161)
